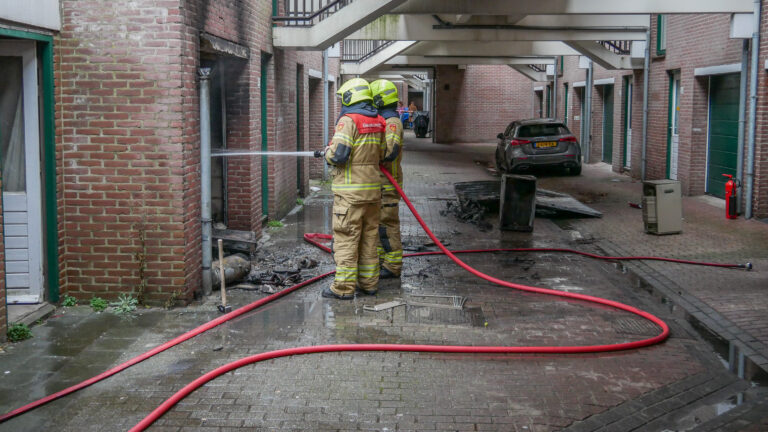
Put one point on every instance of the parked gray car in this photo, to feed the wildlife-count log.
(527, 144)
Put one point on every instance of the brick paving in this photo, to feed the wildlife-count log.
(387, 391)
(732, 303)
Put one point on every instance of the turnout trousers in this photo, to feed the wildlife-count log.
(355, 235)
(390, 248)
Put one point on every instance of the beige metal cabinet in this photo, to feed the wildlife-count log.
(662, 207)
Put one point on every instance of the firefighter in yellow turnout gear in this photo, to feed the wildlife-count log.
(355, 151)
(390, 247)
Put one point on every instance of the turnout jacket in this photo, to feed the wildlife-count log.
(355, 151)
(394, 138)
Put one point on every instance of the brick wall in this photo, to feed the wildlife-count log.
(692, 41)
(760, 201)
(120, 147)
(128, 137)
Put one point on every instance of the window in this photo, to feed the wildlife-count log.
(661, 35)
(539, 130)
(509, 129)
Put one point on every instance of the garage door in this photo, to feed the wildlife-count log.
(723, 130)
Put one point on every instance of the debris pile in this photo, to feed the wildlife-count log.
(275, 277)
(469, 211)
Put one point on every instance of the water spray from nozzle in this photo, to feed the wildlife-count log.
(237, 152)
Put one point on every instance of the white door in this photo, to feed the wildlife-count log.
(674, 125)
(20, 145)
(628, 132)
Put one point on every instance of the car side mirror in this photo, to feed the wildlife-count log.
(500, 136)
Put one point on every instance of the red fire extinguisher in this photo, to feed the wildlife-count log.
(731, 188)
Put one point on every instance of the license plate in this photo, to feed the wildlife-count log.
(546, 144)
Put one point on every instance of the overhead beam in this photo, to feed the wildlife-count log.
(380, 57)
(428, 61)
(640, 20)
(502, 49)
(334, 28)
(421, 27)
(530, 73)
(600, 55)
(538, 7)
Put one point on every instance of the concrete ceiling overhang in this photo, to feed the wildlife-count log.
(433, 61)
(501, 49)
(539, 7)
(434, 32)
(427, 28)
(334, 28)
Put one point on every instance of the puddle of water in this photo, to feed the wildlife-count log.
(471, 316)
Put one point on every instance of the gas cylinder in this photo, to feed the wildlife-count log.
(731, 187)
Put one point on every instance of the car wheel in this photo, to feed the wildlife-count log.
(575, 171)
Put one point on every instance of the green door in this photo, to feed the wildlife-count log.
(608, 124)
(299, 123)
(549, 101)
(264, 146)
(723, 131)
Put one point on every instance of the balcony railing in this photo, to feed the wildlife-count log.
(621, 47)
(306, 13)
(358, 50)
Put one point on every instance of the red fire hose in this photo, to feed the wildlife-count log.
(313, 239)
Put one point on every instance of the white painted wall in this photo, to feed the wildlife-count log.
(38, 13)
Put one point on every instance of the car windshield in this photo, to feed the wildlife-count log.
(538, 130)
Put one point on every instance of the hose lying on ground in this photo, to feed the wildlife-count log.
(313, 239)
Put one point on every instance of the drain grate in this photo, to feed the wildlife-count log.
(635, 327)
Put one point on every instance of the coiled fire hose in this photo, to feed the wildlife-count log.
(315, 240)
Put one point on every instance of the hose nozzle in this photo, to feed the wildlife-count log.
(319, 153)
(747, 266)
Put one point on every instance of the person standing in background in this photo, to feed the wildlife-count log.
(412, 108)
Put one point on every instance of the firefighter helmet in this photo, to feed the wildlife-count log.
(354, 91)
(384, 93)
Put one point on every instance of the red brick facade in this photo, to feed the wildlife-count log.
(475, 103)
(127, 127)
(128, 137)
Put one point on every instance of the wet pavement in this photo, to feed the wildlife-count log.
(681, 384)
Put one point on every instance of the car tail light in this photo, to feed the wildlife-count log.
(568, 139)
(517, 142)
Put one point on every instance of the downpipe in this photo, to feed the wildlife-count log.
(588, 89)
(742, 122)
(646, 73)
(205, 177)
(750, 175)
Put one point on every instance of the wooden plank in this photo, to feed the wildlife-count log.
(17, 280)
(14, 201)
(16, 243)
(17, 254)
(16, 267)
(16, 217)
(15, 230)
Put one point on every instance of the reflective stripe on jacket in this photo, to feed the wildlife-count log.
(355, 158)
(394, 139)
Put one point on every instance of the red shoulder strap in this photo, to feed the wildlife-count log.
(366, 125)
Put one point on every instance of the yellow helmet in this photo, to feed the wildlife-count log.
(384, 93)
(354, 91)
